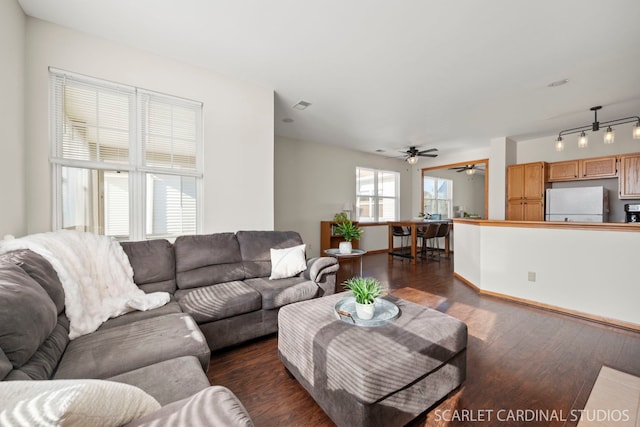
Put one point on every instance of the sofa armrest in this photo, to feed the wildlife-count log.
(319, 266)
(213, 406)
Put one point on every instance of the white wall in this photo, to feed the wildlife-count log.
(590, 271)
(12, 171)
(314, 181)
(238, 123)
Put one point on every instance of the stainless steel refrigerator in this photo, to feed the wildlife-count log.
(581, 204)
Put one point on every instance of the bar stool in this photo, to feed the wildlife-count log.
(403, 233)
(428, 233)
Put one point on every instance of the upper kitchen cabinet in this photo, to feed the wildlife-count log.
(573, 170)
(527, 181)
(599, 167)
(526, 184)
(564, 171)
(629, 176)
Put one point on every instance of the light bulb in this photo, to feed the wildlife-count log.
(412, 160)
(583, 141)
(559, 144)
(636, 131)
(470, 171)
(609, 136)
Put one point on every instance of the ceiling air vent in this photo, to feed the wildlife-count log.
(301, 105)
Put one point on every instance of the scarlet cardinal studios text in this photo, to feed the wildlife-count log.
(532, 415)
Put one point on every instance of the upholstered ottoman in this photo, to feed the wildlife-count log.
(371, 376)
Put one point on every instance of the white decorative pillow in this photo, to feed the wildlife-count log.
(287, 262)
(72, 403)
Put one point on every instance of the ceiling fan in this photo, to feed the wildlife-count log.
(468, 169)
(413, 153)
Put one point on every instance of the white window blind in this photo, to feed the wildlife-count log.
(169, 130)
(92, 122)
(111, 139)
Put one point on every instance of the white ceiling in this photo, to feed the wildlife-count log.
(385, 74)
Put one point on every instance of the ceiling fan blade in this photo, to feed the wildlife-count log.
(427, 151)
(426, 155)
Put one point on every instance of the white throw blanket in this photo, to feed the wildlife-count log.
(95, 273)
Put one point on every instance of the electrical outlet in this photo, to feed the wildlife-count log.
(531, 276)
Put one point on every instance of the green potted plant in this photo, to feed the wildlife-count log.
(365, 290)
(348, 231)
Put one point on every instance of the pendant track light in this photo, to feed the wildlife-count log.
(609, 135)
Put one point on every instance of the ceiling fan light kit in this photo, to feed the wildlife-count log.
(413, 153)
(609, 135)
(467, 169)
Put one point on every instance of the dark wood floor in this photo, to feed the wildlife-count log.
(518, 357)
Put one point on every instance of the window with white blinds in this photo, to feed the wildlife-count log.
(126, 161)
(377, 195)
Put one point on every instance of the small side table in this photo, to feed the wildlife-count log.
(355, 254)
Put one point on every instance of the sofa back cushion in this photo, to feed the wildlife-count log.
(27, 314)
(41, 271)
(44, 362)
(255, 247)
(205, 260)
(5, 365)
(153, 263)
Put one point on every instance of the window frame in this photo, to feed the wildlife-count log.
(436, 192)
(377, 198)
(136, 167)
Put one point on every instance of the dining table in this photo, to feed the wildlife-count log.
(413, 225)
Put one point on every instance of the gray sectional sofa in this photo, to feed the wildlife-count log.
(220, 296)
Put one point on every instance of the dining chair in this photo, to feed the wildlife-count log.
(443, 231)
(428, 233)
(404, 233)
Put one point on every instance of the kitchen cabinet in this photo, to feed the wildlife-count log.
(525, 210)
(629, 176)
(599, 167)
(574, 170)
(526, 181)
(526, 184)
(564, 171)
(329, 240)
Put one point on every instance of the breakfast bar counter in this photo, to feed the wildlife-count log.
(583, 269)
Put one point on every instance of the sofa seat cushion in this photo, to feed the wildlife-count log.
(171, 307)
(219, 301)
(276, 293)
(168, 381)
(109, 352)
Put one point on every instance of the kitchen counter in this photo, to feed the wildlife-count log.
(611, 226)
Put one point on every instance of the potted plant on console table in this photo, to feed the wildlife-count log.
(348, 231)
(365, 290)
